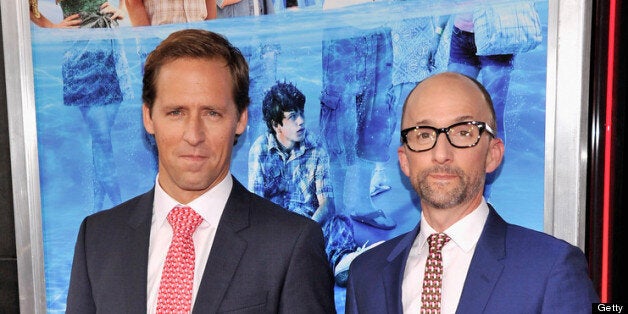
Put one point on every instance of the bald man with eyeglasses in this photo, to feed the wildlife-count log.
(462, 257)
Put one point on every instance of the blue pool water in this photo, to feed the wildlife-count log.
(67, 171)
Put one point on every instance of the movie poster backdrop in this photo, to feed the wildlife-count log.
(363, 55)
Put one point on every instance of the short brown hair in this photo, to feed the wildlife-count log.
(199, 44)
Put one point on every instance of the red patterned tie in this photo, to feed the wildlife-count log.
(177, 278)
(432, 281)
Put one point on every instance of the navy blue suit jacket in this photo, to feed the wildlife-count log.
(264, 260)
(513, 270)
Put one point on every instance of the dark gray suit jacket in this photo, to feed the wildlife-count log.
(513, 270)
(264, 260)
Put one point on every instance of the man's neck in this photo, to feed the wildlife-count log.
(442, 218)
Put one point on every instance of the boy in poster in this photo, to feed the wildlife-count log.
(291, 168)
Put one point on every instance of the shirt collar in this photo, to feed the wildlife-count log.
(465, 232)
(209, 205)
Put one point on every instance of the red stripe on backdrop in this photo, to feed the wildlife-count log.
(610, 100)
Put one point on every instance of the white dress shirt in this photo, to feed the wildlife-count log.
(210, 206)
(457, 254)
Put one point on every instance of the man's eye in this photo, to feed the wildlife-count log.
(212, 113)
(175, 112)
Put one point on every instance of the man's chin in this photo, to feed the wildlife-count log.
(439, 197)
(195, 184)
(439, 187)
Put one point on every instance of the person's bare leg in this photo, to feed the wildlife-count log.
(358, 199)
(100, 120)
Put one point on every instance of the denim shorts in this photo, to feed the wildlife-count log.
(463, 51)
(355, 106)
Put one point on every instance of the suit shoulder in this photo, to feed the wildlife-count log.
(379, 255)
(525, 243)
(538, 238)
(366, 270)
(138, 206)
(124, 206)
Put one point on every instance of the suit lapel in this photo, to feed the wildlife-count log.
(138, 238)
(227, 250)
(392, 275)
(486, 265)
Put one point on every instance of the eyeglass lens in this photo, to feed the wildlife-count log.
(460, 135)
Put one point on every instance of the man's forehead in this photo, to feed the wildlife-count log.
(439, 121)
(445, 112)
(447, 90)
(460, 96)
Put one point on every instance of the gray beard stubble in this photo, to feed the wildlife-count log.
(431, 194)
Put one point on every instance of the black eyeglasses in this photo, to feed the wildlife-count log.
(465, 134)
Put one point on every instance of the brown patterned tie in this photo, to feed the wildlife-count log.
(432, 281)
(177, 278)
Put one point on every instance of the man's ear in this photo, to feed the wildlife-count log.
(495, 154)
(242, 122)
(147, 120)
(403, 160)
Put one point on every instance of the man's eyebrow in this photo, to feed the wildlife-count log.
(431, 122)
(464, 118)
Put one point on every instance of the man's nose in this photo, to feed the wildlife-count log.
(194, 131)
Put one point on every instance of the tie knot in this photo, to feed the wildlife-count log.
(184, 220)
(437, 241)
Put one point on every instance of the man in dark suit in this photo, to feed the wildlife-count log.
(488, 265)
(248, 255)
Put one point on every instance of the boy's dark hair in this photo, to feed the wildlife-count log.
(281, 98)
